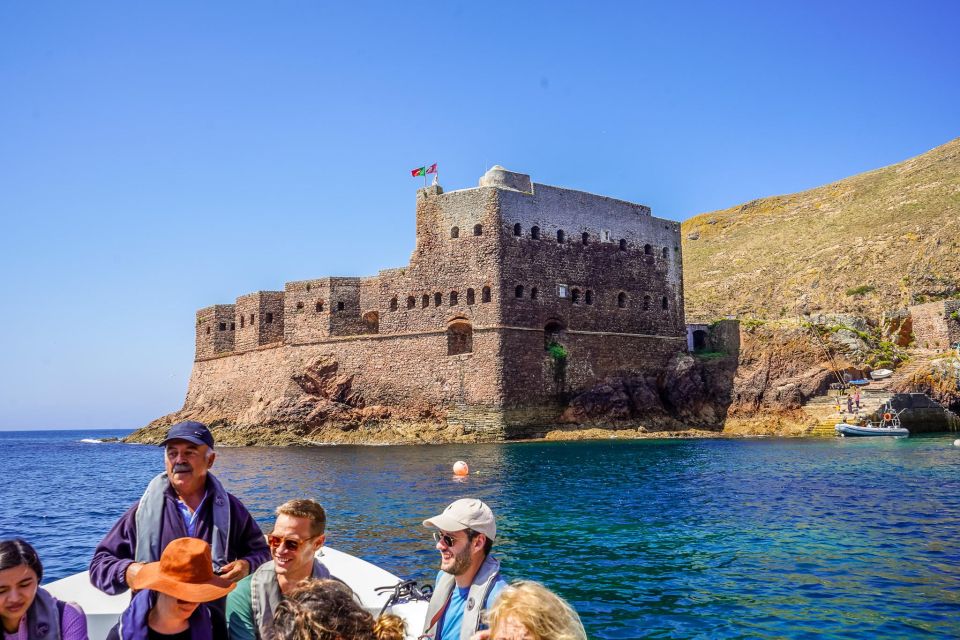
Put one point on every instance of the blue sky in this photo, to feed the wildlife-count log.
(158, 158)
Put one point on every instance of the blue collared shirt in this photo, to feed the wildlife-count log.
(190, 519)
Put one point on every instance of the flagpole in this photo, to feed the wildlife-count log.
(424, 177)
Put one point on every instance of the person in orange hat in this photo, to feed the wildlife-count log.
(169, 603)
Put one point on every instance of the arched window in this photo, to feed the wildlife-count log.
(535, 232)
(485, 295)
(561, 236)
(478, 229)
(411, 302)
(208, 330)
(534, 293)
(319, 306)
(621, 300)
(647, 250)
(663, 303)
(393, 304)
(459, 338)
(453, 298)
(241, 322)
(299, 306)
(575, 295)
(646, 302)
(666, 253)
(253, 317)
(517, 229)
(425, 301)
(471, 297)
(455, 232)
(585, 238)
(623, 244)
(437, 299)
(518, 292)
(553, 333)
(589, 297)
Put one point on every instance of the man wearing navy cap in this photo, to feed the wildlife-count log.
(185, 501)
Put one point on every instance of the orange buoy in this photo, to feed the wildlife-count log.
(887, 416)
(460, 468)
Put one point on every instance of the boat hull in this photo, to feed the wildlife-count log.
(858, 431)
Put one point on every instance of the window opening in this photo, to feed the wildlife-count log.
(585, 238)
(340, 306)
(453, 298)
(575, 296)
(459, 338)
(485, 295)
(588, 298)
(623, 244)
(411, 302)
(437, 299)
(393, 304)
(663, 303)
(535, 233)
(223, 326)
(470, 296)
(478, 229)
(647, 250)
(455, 232)
(424, 301)
(517, 229)
(622, 300)
(319, 307)
(534, 293)
(269, 318)
(561, 236)
(518, 292)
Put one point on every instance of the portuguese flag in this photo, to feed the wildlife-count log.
(422, 171)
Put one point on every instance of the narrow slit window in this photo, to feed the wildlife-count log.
(485, 295)
(471, 297)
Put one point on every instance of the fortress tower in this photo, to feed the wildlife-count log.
(516, 296)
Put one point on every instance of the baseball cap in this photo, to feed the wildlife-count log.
(195, 432)
(466, 513)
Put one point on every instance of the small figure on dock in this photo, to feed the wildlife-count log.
(849, 404)
(856, 397)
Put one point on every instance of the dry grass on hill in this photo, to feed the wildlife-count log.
(874, 242)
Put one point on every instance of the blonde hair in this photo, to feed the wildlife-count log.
(545, 615)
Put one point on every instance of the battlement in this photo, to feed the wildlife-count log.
(259, 320)
(215, 330)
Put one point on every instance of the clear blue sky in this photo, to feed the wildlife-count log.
(158, 158)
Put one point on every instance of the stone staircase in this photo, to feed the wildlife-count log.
(824, 409)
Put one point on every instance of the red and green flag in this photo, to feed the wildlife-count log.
(422, 171)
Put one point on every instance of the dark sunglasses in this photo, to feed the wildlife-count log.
(276, 542)
(445, 538)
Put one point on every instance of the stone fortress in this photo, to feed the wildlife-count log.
(517, 295)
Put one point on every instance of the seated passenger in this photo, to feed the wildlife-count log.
(328, 610)
(527, 610)
(297, 536)
(26, 610)
(174, 590)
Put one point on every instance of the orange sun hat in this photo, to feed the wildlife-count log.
(185, 572)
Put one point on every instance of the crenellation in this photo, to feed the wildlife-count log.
(215, 330)
(498, 273)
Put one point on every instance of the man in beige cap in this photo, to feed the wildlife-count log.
(469, 579)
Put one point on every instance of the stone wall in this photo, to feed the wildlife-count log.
(215, 330)
(934, 324)
(259, 320)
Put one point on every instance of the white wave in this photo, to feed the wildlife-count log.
(91, 441)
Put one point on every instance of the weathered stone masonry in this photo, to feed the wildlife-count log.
(498, 273)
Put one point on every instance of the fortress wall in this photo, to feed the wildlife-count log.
(345, 313)
(444, 265)
(599, 267)
(215, 330)
(933, 326)
(306, 312)
(404, 371)
(259, 320)
(530, 378)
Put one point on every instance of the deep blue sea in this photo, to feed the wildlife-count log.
(764, 538)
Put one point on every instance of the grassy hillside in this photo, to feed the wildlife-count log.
(874, 242)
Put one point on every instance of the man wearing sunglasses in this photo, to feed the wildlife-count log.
(184, 501)
(469, 579)
(297, 536)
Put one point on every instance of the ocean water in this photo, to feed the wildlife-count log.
(761, 538)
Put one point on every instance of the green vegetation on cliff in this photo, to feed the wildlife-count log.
(878, 241)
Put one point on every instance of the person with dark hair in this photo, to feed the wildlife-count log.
(186, 500)
(297, 535)
(328, 610)
(469, 579)
(170, 603)
(27, 611)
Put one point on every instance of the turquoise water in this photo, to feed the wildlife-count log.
(648, 539)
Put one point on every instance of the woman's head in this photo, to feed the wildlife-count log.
(328, 610)
(20, 575)
(527, 610)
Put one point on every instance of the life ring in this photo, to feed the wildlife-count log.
(887, 416)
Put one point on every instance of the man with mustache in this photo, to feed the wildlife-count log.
(469, 580)
(186, 501)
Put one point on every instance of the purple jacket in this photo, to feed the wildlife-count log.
(115, 552)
